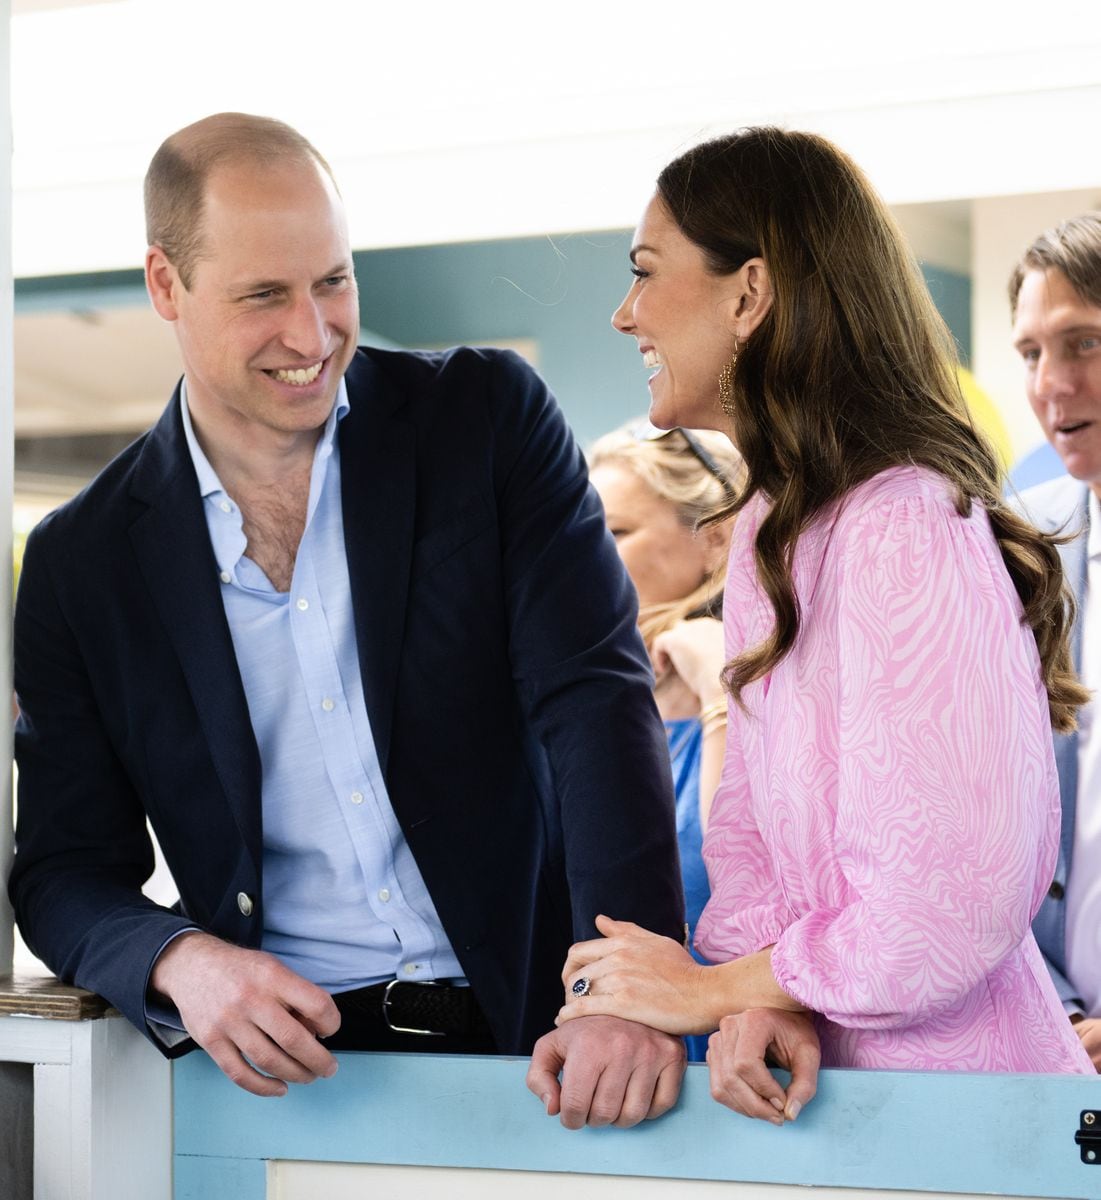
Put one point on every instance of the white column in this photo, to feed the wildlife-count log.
(7, 471)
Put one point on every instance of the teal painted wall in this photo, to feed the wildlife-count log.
(559, 292)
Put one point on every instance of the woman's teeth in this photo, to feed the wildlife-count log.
(651, 359)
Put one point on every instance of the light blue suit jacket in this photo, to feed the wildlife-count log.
(1060, 506)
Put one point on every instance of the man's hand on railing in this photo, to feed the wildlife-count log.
(613, 1072)
(255, 1017)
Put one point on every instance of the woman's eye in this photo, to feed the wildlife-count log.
(639, 273)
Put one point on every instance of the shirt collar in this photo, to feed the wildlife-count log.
(209, 483)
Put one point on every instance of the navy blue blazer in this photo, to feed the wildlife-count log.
(508, 692)
(1060, 506)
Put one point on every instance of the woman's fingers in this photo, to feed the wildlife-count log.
(740, 1078)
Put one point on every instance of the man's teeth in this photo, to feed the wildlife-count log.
(651, 359)
(302, 376)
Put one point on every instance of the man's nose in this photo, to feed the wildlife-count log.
(305, 331)
(1053, 379)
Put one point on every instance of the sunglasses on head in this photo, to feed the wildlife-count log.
(643, 431)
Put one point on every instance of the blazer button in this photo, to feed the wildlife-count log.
(244, 903)
(1056, 891)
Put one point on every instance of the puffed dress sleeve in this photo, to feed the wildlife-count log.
(946, 805)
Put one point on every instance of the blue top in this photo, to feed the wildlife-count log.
(685, 752)
(344, 902)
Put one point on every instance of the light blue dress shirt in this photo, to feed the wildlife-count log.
(344, 901)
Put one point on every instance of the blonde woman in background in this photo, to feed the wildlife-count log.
(657, 486)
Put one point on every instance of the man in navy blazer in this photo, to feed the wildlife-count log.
(1055, 293)
(513, 763)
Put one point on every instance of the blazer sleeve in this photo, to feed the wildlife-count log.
(581, 672)
(947, 810)
(82, 846)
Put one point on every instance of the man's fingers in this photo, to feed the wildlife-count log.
(588, 1082)
(233, 1065)
(290, 1049)
(667, 1090)
(542, 1076)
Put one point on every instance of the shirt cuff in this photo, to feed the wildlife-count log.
(162, 1018)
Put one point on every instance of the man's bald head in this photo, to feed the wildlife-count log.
(175, 184)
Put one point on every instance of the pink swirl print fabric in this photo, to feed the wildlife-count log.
(889, 809)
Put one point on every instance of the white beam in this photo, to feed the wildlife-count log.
(7, 471)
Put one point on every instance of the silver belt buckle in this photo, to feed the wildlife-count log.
(401, 1028)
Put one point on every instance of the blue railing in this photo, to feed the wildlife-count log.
(882, 1130)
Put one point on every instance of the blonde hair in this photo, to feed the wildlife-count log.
(670, 467)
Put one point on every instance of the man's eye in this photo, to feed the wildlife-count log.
(336, 280)
(1089, 343)
(265, 295)
(1030, 356)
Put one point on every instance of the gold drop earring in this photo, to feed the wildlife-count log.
(726, 384)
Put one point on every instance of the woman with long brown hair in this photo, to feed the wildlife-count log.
(887, 821)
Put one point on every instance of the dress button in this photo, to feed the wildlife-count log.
(357, 797)
(302, 605)
(410, 968)
(327, 704)
(244, 903)
(1056, 891)
(384, 895)
(225, 576)
(226, 507)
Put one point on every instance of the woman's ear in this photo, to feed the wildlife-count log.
(715, 536)
(752, 297)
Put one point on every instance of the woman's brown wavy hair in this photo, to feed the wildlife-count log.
(851, 371)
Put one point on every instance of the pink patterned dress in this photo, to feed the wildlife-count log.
(889, 809)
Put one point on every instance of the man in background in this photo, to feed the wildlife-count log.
(345, 626)
(1055, 296)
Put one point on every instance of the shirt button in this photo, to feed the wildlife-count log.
(357, 797)
(327, 704)
(302, 605)
(1056, 891)
(244, 903)
(384, 895)
(225, 576)
(226, 507)
(410, 968)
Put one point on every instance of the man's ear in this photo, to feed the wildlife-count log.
(162, 281)
(753, 297)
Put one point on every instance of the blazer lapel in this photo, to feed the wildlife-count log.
(379, 501)
(172, 546)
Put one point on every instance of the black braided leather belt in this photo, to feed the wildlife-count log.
(430, 1008)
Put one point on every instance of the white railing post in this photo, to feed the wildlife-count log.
(7, 475)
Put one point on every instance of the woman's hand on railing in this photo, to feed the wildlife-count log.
(740, 1078)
